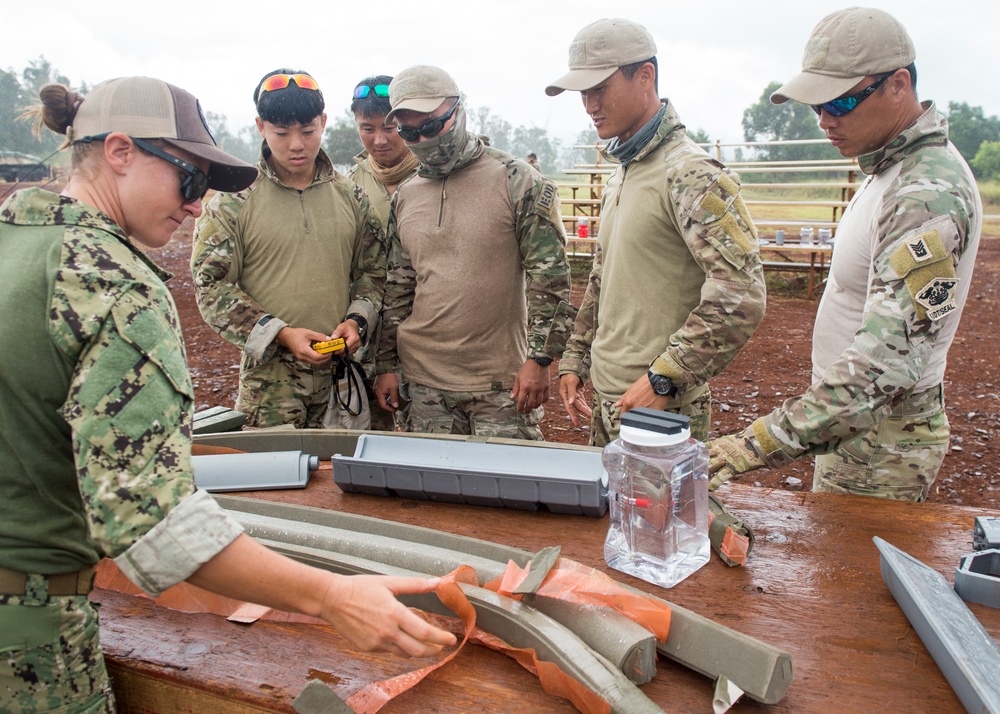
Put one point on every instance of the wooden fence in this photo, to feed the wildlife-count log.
(835, 179)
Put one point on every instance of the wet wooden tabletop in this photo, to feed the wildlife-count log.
(812, 587)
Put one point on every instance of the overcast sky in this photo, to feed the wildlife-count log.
(715, 57)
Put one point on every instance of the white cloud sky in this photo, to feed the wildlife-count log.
(715, 57)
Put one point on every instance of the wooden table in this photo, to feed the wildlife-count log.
(775, 256)
(812, 588)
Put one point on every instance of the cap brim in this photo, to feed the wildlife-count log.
(577, 80)
(423, 105)
(812, 88)
(227, 173)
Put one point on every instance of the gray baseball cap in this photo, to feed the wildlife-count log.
(599, 49)
(846, 47)
(148, 108)
(420, 88)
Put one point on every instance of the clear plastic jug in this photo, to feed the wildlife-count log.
(658, 498)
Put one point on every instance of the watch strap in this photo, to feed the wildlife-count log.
(362, 325)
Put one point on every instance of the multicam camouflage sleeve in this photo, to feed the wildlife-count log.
(216, 260)
(397, 304)
(720, 234)
(542, 242)
(368, 269)
(891, 348)
(576, 358)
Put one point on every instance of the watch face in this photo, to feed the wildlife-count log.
(662, 385)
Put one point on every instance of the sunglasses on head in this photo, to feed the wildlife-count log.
(363, 90)
(428, 129)
(844, 105)
(280, 81)
(194, 185)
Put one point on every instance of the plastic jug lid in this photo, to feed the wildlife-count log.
(651, 427)
(656, 420)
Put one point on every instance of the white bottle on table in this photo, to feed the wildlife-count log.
(658, 494)
(806, 235)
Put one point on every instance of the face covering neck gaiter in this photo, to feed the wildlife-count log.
(448, 151)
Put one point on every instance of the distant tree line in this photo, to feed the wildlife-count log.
(976, 135)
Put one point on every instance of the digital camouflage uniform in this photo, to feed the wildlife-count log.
(874, 414)
(381, 203)
(468, 399)
(676, 284)
(290, 237)
(96, 446)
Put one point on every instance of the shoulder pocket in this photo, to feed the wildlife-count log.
(156, 391)
(722, 204)
(922, 259)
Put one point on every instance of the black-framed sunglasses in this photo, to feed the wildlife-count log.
(844, 105)
(363, 90)
(194, 185)
(428, 129)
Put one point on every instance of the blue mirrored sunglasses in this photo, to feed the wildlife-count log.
(363, 90)
(844, 105)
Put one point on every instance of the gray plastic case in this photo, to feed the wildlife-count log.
(499, 475)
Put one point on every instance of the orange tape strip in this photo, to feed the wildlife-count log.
(577, 583)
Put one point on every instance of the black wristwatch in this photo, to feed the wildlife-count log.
(662, 384)
(543, 360)
(362, 326)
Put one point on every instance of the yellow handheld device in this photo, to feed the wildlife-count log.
(329, 346)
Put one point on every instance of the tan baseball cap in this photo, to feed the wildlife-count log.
(148, 108)
(420, 88)
(599, 49)
(844, 48)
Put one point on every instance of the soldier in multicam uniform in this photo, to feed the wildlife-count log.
(677, 288)
(905, 249)
(298, 257)
(477, 254)
(96, 398)
(384, 164)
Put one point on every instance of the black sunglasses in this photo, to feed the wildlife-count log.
(194, 185)
(844, 105)
(429, 129)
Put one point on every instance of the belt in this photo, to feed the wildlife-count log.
(14, 583)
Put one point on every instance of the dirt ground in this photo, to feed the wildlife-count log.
(773, 366)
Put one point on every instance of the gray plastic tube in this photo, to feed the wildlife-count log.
(262, 470)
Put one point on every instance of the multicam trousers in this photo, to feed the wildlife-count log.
(898, 459)
(50, 655)
(286, 391)
(606, 421)
(492, 413)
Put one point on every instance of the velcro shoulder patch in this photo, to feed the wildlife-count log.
(937, 297)
(547, 197)
(917, 250)
(716, 205)
(922, 261)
